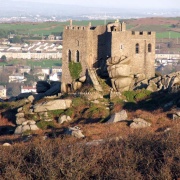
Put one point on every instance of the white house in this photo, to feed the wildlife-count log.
(26, 89)
(55, 77)
(3, 91)
(17, 77)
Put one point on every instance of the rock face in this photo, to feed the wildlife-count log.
(117, 117)
(23, 124)
(63, 119)
(176, 115)
(23, 128)
(42, 86)
(170, 82)
(53, 105)
(75, 131)
(120, 73)
(139, 123)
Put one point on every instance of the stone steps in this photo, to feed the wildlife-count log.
(93, 76)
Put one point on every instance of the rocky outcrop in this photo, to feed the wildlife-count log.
(75, 131)
(170, 82)
(25, 126)
(117, 117)
(139, 123)
(52, 105)
(176, 114)
(120, 73)
(63, 119)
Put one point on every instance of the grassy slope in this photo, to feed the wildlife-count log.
(47, 28)
(42, 63)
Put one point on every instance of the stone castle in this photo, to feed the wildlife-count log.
(121, 54)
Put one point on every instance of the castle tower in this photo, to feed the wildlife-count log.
(123, 26)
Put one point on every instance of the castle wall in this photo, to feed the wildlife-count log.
(74, 40)
(96, 44)
(124, 43)
(82, 39)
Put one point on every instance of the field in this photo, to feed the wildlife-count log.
(43, 63)
(161, 25)
(44, 28)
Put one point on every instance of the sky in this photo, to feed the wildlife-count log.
(135, 4)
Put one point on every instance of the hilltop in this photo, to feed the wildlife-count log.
(55, 151)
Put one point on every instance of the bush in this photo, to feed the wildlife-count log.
(75, 69)
(45, 124)
(96, 111)
(142, 155)
(133, 96)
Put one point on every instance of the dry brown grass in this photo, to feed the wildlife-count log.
(141, 155)
(5, 122)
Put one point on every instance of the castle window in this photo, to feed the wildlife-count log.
(141, 33)
(149, 33)
(78, 27)
(137, 48)
(69, 55)
(149, 48)
(83, 28)
(121, 46)
(133, 32)
(77, 56)
(77, 42)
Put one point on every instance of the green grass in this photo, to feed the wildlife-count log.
(166, 35)
(47, 28)
(43, 63)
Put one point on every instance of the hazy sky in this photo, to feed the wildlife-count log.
(117, 3)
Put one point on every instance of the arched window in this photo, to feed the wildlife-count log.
(77, 42)
(137, 48)
(77, 56)
(149, 48)
(69, 55)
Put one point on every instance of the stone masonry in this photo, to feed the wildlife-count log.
(92, 46)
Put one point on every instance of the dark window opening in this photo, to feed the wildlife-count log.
(69, 56)
(137, 48)
(149, 33)
(92, 28)
(133, 32)
(77, 56)
(149, 48)
(141, 33)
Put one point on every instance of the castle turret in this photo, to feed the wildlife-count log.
(123, 26)
(70, 21)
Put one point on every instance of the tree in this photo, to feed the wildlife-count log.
(16, 39)
(3, 58)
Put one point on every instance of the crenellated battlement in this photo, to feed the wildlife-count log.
(91, 45)
(76, 27)
(143, 33)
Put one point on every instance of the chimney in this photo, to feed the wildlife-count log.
(89, 24)
(70, 22)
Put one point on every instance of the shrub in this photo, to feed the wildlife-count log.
(133, 96)
(55, 113)
(75, 69)
(130, 95)
(141, 155)
(142, 94)
(4, 105)
(96, 111)
(69, 112)
(45, 124)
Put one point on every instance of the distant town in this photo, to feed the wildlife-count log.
(27, 58)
